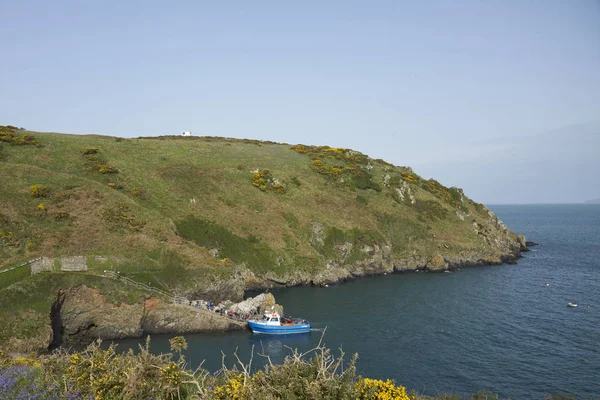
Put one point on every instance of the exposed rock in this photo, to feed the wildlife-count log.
(386, 180)
(405, 190)
(437, 263)
(257, 304)
(160, 317)
(317, 237)
(82, 313)
(386, 252)
(531, 244)
(522, 242)
(230, 289)
(214, 252)
(331, 275)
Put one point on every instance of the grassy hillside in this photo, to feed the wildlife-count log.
(159, 204)
(204, 214)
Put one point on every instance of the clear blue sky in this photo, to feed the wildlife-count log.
(431, 84)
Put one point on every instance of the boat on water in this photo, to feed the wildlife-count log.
(571, 304)
(274, 324)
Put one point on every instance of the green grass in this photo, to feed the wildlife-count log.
(250, 250)
(15, 275)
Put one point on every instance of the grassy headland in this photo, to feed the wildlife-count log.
(212, 217)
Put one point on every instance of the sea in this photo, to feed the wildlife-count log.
(504, 329)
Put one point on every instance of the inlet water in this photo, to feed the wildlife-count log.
(499, 328)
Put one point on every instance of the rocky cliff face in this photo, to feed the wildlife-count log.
(498, 245)
(82, 313)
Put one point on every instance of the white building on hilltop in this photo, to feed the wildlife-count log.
(186, 133)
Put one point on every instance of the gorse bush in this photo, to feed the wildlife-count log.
(337, 163)
(8, 135)
(377, 389)
(120, 217)
(105, 168)
(89, 151)
(39, 191)
(104, 374)
(97, 163)
(263, 180)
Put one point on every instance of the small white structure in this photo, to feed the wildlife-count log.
(186, 133)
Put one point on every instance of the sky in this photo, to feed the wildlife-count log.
(462, 91)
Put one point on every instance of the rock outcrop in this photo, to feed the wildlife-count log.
(160, 317)
(255, 305)
(82, 314)
(85, 314)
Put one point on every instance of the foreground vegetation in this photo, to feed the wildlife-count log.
(103, 373)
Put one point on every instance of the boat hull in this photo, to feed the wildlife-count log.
(278, 330)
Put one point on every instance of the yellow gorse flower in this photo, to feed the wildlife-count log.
(376, 389)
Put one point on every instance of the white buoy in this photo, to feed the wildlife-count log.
(547, 284)
(326, 285)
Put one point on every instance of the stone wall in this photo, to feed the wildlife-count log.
(76, 263)
(41, 264)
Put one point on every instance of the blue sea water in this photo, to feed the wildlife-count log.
(498, 328)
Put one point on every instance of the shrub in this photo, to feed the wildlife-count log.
(99, 373)
(107, 169)
(263, 180)
(42, 207)
(7, 134)
(97, 164)
(377, 389)
(39, 191)
(120, 217)
(89, 150)
(335, 162)
(431, 209)
(409, 177)
(364, 181)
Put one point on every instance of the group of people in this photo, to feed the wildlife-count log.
(209, 306)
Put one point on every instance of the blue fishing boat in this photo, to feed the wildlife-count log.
(274, 324)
